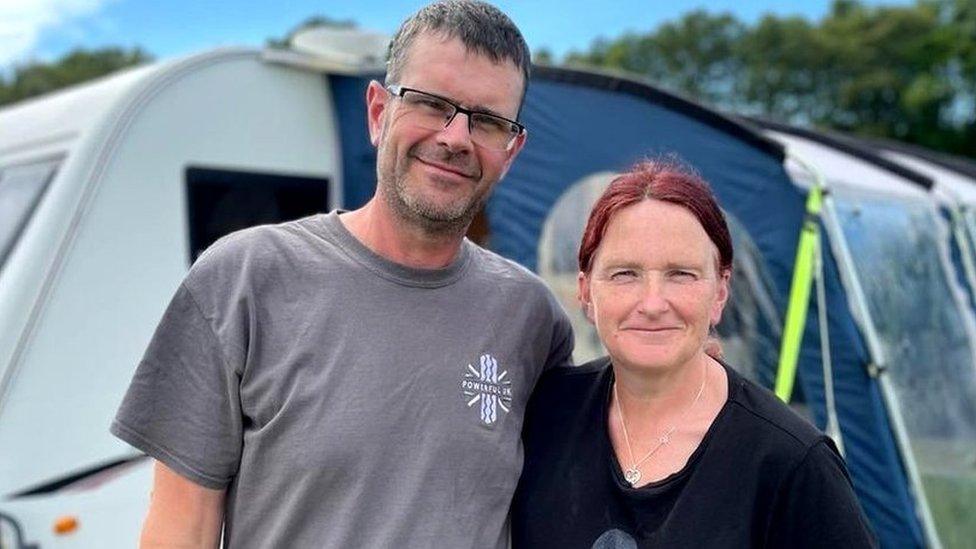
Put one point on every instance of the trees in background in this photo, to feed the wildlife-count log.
(695, 55)
(905, 72)
(80, 65)
(900, 72)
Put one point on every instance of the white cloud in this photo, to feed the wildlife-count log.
(23, 21)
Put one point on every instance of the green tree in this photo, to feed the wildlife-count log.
(782, 76)
(694, 55)
(889, 68)
(37, 78)
(902, 72)
(962, 17)
(698, 55)
(543, 56)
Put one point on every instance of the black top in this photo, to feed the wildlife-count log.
(761, 477)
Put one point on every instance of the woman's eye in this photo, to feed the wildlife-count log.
(683, 276)
(623, 275)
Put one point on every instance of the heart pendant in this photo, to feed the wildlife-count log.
(632, 476)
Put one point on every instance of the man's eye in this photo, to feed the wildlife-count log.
(491, 123)
(431, 103)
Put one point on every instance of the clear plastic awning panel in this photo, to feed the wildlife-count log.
(900, 255)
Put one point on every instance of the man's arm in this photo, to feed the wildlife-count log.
(182, 513)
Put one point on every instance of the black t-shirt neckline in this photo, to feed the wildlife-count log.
(656, 487)
(761, 477)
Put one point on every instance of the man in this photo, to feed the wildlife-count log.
(359, 380)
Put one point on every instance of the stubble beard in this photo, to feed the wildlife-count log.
(437, 220)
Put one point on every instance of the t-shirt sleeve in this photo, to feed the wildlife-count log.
(562, 342)
(816, 506)
(183, 404)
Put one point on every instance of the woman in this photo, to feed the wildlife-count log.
(659, 444)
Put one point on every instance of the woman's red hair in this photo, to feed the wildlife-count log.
(667, 181)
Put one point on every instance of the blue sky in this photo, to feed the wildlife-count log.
(45, 29)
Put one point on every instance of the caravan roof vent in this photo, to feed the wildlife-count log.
(335, 49)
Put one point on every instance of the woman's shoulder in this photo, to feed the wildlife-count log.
(587, 370)
(573, 378)
(767, 414)
(571, 384)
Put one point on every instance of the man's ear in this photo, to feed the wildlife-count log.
(514, 151)
(377, 99)
(584, 297)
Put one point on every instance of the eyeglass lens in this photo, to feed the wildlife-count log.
(433, 113)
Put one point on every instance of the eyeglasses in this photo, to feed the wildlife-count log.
(434, 112)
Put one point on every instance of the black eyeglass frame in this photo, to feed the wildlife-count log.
(397, 91)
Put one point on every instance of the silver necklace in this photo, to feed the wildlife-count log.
(633, 474)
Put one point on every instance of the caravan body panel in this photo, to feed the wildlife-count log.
(125, 246)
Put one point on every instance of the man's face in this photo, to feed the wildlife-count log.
(438, 179)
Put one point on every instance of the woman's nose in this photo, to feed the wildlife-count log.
(653, 300)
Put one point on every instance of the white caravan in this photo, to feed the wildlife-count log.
(107, 193)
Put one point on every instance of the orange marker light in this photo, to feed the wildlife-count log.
(65, 525)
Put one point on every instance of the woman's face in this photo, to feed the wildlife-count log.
(654, 288)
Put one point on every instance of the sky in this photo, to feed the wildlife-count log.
(43, 30)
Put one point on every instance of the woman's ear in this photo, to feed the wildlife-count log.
(721, 297)
(713, 345)
(583, 296)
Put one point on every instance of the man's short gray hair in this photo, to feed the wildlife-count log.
(481, 27)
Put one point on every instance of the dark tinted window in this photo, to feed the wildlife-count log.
(224, 201)
(21, 189)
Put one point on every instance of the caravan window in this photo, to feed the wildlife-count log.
(750, 325)
(21, 189)
(224, 201)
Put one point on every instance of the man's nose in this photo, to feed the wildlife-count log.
(456, 135)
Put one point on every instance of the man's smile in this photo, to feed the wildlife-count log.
(446, 168)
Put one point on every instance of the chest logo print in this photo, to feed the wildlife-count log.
(484, 385)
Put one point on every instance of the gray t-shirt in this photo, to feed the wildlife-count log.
(344, 400)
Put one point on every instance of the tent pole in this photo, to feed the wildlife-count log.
(965, 245)
(969, 236)
(833, 422)
(960, 234)
(815, 250)
(861, 313)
